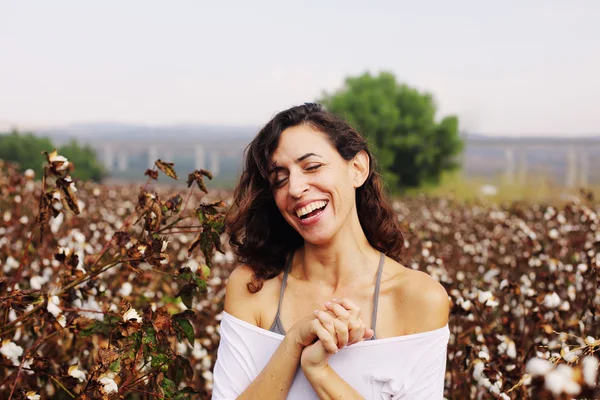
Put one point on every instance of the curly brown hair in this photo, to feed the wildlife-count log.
(260, 236)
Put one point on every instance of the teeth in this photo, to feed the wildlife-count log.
(310, 207)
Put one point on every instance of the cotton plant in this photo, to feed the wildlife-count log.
(83, 291)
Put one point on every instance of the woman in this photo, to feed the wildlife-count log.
(321, 306)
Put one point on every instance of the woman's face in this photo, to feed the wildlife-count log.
(313, 186)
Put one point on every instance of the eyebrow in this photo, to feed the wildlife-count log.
(299, 159)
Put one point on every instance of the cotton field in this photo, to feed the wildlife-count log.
(107, 291)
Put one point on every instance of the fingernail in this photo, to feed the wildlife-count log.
(316, 312)
(327, 303)
(336, 299)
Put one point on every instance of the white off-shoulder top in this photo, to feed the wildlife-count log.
(403, 367)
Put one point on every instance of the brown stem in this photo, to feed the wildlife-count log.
(188, 199)
(61, 385)
(145, 392)
(92, 275)
(185, 231)
(148, 373)
(28, 313)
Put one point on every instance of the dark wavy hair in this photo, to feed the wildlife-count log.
(260, 236)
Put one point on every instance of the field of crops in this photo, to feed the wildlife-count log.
(118, 291)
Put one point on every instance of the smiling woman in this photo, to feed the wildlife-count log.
(318, 243)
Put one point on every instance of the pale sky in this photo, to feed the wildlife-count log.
(505, 67)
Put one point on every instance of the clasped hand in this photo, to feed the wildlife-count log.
(324, 333)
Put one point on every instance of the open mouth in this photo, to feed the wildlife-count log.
(312, 210)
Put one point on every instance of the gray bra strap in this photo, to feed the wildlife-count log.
(284, 282)
(376, 295)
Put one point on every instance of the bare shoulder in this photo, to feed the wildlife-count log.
(245, 305)
(423, 301)
(238, 299)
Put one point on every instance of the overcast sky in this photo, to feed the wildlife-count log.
(505, 67)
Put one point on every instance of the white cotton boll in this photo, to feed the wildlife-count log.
(552, 300)
(483, 296)
(512, 349)
(466, 305)
(181, 347)
(126, 289)
(582, 268)
(504, 396)
(484, 354)
(10, 264)
(207, 375)
(561, 380)
(109, 385)
(537, 366)
(11, 351)
(53, 306)
(565, 306)
(478, 367)
(590, 369)
(206, 362)
(199, 352)
(36, 282)
(590, 341)
(31, 395)
(218, 258)
(570, 356)
(24, 220)
(76, 373)
(132, 314)
(553, 234)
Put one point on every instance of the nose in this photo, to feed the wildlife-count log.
(298, 184)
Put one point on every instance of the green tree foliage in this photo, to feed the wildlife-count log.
(412, 147)
(26, 149)
(87, 166)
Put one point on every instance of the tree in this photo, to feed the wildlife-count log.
(411, 147)
(26, 150)
(84, 159)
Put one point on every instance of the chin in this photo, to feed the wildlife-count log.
(317, 239)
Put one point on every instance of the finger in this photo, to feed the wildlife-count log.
(326, 319)
(356, 329)
(349, 305)
(338, 329)
(340, 312)
(325, 337)
(341, 332)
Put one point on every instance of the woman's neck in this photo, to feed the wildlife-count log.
(347, 260)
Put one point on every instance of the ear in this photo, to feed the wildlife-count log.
(360, 168)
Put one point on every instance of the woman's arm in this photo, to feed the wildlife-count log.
(275, 380)
(328, 384)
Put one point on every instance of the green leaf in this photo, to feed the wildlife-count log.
(115, 366)
(185, 394)
(187, 294)
(206, 245)
(149, 341)
(187, 328)
(200, 283)
(168, 387)
(159, 359)
(181, 369)
(185, 274)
